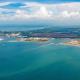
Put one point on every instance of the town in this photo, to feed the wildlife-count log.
(40, 35)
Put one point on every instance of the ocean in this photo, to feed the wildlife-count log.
(39, 61)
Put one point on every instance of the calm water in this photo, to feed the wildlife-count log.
(39, 61)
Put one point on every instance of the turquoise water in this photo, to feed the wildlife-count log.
(39, 61)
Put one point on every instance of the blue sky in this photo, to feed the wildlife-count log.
(40, 12)
(43, 1)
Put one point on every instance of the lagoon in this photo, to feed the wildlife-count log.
(39, 61)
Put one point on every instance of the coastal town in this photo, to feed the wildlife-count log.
(20, 38)
(42, 35)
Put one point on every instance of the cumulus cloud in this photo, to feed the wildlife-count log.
(4, 3)
(59, 13)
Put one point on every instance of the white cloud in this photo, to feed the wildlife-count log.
(5, 3)
(70, 14)
(59, 13)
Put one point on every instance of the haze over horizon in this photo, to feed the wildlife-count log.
(39, 12)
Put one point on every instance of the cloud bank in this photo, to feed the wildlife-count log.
(56, 14)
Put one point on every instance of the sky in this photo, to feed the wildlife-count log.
(40, 12)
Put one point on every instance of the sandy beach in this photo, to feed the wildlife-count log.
(73, 42)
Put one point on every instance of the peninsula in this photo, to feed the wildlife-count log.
(33, 39)
(73, 42)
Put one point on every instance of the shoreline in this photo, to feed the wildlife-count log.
(73, 43)
(32, 39)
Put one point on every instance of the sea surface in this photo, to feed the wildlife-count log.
(39, 61)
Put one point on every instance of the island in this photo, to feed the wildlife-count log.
(33, 39)
(73, 42)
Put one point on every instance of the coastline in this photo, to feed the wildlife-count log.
(73, 43)
(32, 39)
